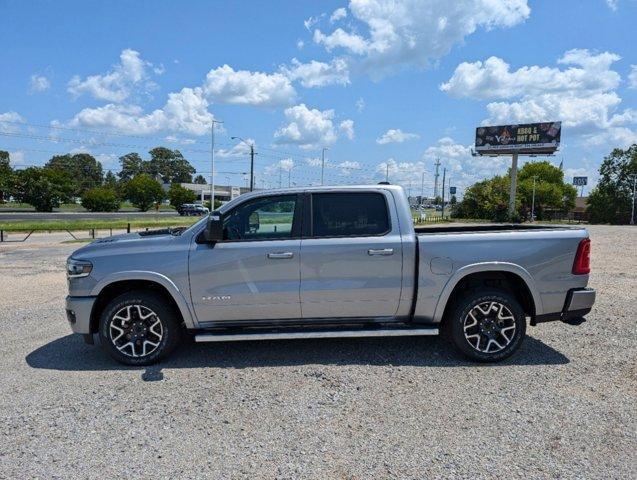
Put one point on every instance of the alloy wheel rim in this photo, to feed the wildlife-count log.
(136, 331)
(489, 327)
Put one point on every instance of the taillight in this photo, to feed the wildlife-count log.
(582, 263)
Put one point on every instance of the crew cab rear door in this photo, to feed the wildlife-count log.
(351, 255)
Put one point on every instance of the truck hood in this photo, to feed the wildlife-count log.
(138, 241)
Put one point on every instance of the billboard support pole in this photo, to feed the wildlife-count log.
(514, 181)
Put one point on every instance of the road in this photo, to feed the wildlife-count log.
(31, 216)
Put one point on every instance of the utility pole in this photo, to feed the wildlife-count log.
(632, 212)
(514, 181)
(444, 174)
(280, 168)
(251, 145)
(387, 172)
(533, 201)
(212, 161)
(437, 164)
(323, 164)
(422, 188)
(290, 176)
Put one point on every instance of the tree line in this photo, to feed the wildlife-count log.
(65, 178)
(609, 202)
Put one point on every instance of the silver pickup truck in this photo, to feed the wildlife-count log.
(325, 262)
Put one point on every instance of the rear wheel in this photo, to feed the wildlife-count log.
(487, 325)
(139, 328)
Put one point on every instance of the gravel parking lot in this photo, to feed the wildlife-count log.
(565, 406)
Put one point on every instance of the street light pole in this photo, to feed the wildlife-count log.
(212, 161)
(632, 212)
(251, 145)
(422, 188)
(444, 174)
(533, 201)
(323, 164)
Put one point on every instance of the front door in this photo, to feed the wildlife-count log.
(253, 274)
(351, 257)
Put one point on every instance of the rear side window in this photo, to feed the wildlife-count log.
(349, 214)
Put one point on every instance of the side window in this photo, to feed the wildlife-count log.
(349, 214)
(261, 219)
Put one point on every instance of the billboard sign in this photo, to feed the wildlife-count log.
(580, 181)
(529, 138)
(452, 190)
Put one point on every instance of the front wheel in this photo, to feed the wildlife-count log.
(139, 328)
(487, 325)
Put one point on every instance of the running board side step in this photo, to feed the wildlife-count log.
(298, 334)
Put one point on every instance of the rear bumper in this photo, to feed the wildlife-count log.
(78, 313)
(579, 302)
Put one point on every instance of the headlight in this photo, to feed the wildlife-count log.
(78, 268)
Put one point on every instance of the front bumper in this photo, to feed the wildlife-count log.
(579, 302)
(78, 313)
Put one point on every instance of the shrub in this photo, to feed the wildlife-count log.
(179, 195)
(100, 199)
(143, 192)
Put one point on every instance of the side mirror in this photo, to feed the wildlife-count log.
(214, 228)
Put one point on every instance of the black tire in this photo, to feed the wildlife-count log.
(143, 310)
(491, 338)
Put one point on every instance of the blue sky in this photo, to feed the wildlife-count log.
(376, 81)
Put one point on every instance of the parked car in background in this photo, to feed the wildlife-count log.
(190, 209)
(326, 262)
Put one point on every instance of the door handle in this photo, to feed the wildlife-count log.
(380, 251)
(276, 255)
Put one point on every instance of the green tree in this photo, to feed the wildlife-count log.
(110, 181)
(85, 171)
(100, 199)
(611, 200)
(43, 188)
(6, 174)
(200, 180)
(551, 193)
(489, 199)
(179, 195)
(143, 191)
(170, 165)
(131, 166)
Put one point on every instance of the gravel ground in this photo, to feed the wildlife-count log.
(563, 407)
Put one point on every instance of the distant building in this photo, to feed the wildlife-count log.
(224, 193)
(578, 212)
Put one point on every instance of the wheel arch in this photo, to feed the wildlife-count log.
(509, 276)
(110, 287)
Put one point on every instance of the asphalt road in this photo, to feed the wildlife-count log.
(564, 406)
(21, 216)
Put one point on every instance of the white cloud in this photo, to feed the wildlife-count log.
(612, 4)
(242, 87)
(185, 111)
(38, 83)
(396, 135)
(300, 44)
(401, 173)
(17, 158)
(338, 14)
(339, 38)
(9, 121)
(632, 77)
(347, 167)
(310, 22)
(318, 74)
(238, 150)
(360, 104)
(414, 32)
(307, 128)
(118, 84)
(493, 79)
(582, 96)
(347, 128)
